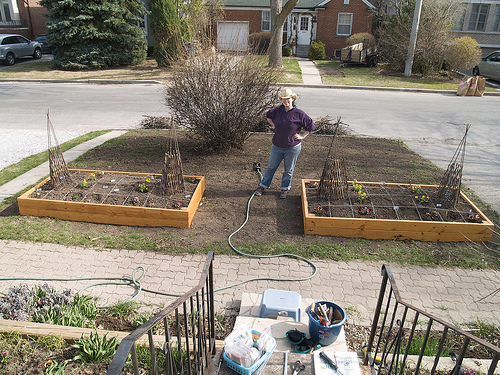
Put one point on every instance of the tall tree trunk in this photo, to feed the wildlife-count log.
(278, 18)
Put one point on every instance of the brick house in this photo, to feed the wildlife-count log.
(329, 21)
(25, 17)
(480, 19)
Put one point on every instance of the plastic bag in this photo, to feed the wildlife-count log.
(245, 346)
(239, 346)
(242, 333)
(265, 341)
(241, 354)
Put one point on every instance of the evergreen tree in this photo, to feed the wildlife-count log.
(168, 30)
(96, 33)
(175, 23)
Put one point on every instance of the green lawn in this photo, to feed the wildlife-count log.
(361, 75)
(354, 75)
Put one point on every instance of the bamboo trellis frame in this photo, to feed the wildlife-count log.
(59, 174)
(173, 179)
(333, 183)
(448, 191)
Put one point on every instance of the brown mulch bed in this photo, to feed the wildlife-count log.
(230, 181)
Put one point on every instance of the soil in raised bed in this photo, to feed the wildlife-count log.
(388, 202)
(117, 189)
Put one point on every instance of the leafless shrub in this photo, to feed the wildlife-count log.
(155, 122)
(262, 126)
(433, 36)
(221, 97)
(326, 126)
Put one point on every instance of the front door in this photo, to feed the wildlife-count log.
(304, 29)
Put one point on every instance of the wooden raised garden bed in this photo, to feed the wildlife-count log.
(114, 198)
(393, 213)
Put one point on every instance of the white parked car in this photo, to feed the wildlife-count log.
(489, 66)
(13, 46)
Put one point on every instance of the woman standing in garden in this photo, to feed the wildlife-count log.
(291, 125)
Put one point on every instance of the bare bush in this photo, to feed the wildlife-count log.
(221, 97)
(155, 122)
(433, 36)
(326, 126)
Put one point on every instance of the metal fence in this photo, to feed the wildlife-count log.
(405, 339)
(188, 328)
(12, 23)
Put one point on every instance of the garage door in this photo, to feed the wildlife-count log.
(232, 35)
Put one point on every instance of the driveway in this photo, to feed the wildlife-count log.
(27, 60)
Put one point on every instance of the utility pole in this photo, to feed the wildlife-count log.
(413, 37)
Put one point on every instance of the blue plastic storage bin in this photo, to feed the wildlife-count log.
(257, 367)
(325, 335)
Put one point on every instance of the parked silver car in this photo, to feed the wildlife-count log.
(489, 66)
(14, 46)
(46, 47)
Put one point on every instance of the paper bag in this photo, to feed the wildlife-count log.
(481, 85)
(463, 86)
(472, 86)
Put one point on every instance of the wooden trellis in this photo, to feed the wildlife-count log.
(333, 183)
(448, 191)
(59, 174)
(173, 179)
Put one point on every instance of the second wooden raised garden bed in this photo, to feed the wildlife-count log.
(393, 213)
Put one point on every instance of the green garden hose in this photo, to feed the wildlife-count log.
(287, 255)
(135, 280)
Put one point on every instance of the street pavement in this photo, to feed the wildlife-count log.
(459, 296)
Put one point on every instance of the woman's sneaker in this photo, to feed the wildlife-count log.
(259, 191)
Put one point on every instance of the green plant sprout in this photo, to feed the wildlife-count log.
(361, 197)
(415, 189)
(423, 199)
(432, 215)
(95, 348)
(4, 355)
(356, 187)
(54, 367)
(363, 210)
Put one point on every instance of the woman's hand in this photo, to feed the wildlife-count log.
(300, 137)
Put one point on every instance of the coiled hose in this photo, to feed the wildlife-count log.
(135, 279)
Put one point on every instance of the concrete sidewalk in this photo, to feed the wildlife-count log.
(452, 294)
(310, 73)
